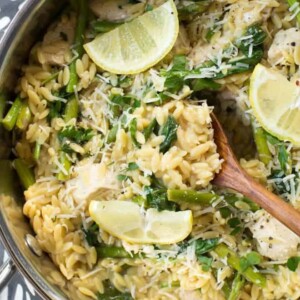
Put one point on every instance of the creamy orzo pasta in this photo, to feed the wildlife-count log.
(83, 134)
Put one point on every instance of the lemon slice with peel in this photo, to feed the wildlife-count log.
(276, 103)
(137, 45)
(131, 223)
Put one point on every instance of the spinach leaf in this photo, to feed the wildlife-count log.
(62, 93)
(66, 148)
(204, 246)
(157, 183)
(293, 263)
(283, 157)
(132, 166)
(282, 153)
(123, 177)
(190, 10)
(278, 184)
(250, 50)
(150, 128)
(120, 103)
(174, 83)
(111, 293)
(202, 83)
(77, 135)
(56, 109)
(225, 212)
(133, 130)
(91, 235)
(254, 36)
(174, 78)
(157, 198)
(235, 224)
(169, 130)
(179, 63)
(205, 261)
(72, 134)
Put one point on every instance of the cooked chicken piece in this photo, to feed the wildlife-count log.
(56, 46)
(274, 240)
(92, 179)
(116, 10)
(54, 53)
(63, 30)
(283, 48)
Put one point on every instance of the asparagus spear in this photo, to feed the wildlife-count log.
(206, 198)
(114, 252)
(233, 260)
(237, 285)
(66, 164)
(291, 3)
(262, 145)
(104, 26)
(71, 110)
(232, 199)
(37, 151)
(25, 174)
(82, 16)
(191, 196)
(24, 117)
(226, 289)
(2, 107)
(11, 117)
(140, 200)
(112, 135)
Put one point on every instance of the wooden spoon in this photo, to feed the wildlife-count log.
(233, 176)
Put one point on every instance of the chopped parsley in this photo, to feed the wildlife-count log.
(251, 259)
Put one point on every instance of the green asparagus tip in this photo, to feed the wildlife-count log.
(190, 196)
(11, 117)
(24, 172)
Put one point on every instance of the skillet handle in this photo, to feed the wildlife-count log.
(7, 271)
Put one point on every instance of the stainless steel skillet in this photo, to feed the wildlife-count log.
(15, 232)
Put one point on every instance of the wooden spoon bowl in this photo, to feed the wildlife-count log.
(233, 176)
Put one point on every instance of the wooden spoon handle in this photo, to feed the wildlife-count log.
(277, 207)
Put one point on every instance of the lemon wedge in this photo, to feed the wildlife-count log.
(137, 45)
(276, 103)
(131, 223)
